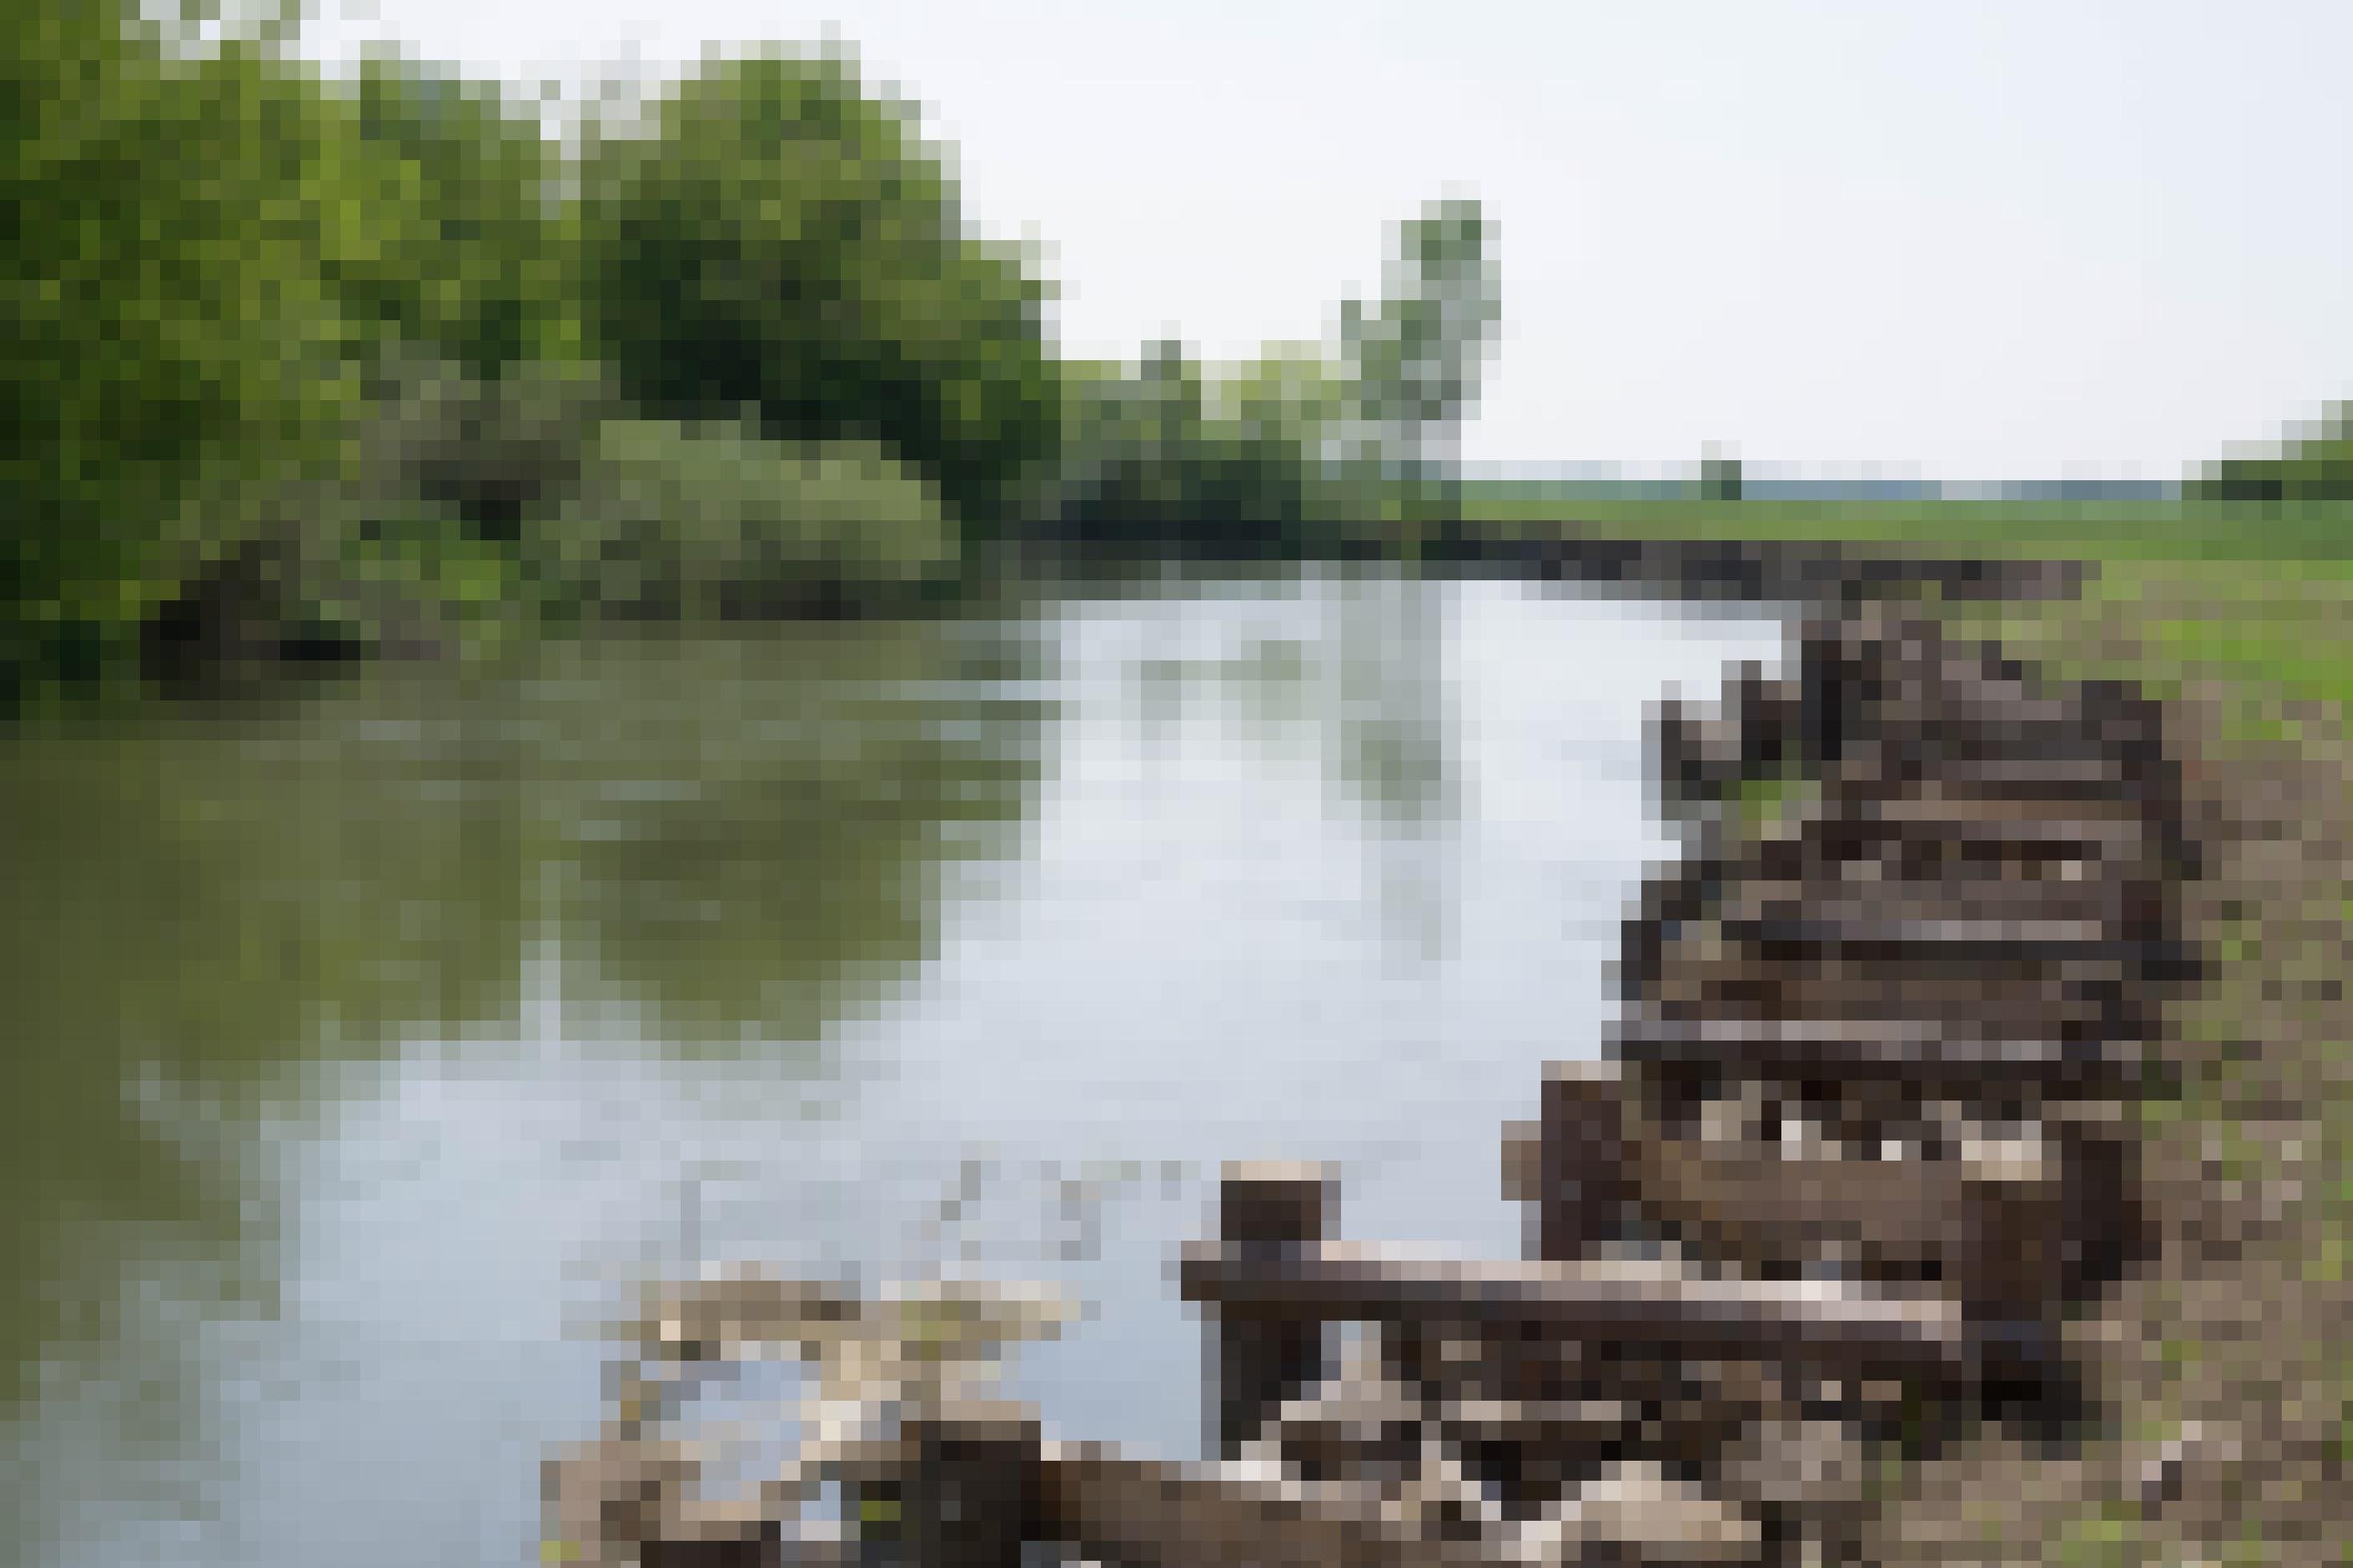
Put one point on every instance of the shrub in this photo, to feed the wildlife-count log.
(702, 520)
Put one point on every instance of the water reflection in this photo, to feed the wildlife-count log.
(362, 1047)
(676, 845)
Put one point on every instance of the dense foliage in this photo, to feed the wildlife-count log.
(329, 363)
(782, 240)
(712, 521)
(1166, 456)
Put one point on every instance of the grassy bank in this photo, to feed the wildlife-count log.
(2228, 1363)
(2107, 530)
(2231, 1362)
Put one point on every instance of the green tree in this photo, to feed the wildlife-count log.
(2314, 464)
(783, 240)
(478, 266)
(1719, 475)
(1171, 456)
(1416, 358)
(173, 346)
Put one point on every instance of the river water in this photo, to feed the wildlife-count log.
(362, 1047)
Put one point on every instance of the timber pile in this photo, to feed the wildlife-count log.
(1888, 1038)
(1862, 1144)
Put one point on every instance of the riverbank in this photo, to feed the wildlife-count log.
(2234, 1393)
(2231, 1416)
(2000, 1495)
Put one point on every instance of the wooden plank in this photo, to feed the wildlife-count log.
(968, 1496)
(1702, 752)
(1994, 820)
(1931, 1054)
(1267, 1210)
(2002, 942)
(1146, 1513)
(1990, 1227)
(1645, 1306)
(1853, 894)
(1584, 1185)
(1143, 1513)
(2058, 781)
(1691, 978)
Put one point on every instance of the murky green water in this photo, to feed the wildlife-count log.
(360, 1049)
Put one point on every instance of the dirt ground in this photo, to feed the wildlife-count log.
(2224, 1369)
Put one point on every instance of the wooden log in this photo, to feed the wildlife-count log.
(2011, 1266)
(1702, 753)
(967, 1495)
(1692, 981)
(1145, 1513)
(2064, 784)
(1522, 1166)
(1637, 1513)
(1856, 895)
(625, 1499)
(605, 1498)
(1645, 1307)
(1756, 1206)
(1874, 684)
(1539, 1408)
(1981, 861)
(1991, 1226)
(2004, 944)
(1269, 1212)
(2090, 827)
(1937, 1058)
(1697, 757)
(729, 1542)
(1583, 1181)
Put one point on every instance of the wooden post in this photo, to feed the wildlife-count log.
(1581, 1160)
(2106, 1231)
(1269, 1211)
(2012, 1267)
(966, 1496)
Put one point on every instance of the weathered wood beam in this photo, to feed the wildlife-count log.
(1267, 1212)
(1584, 1180)
(968, 1493)
(2026, 1002)
(1647, 1307)
(1930, 1054)
(2063, 781)
(1143, 1513)
(1962, 941)
(1863, 895)
(1989, 1225)
(1869, 814)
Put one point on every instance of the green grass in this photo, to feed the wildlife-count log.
(2176, 530)
(2257, 596)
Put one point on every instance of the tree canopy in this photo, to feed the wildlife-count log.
(783, 240)
(367, 362)
(1417, 357)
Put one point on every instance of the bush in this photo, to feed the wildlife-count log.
(678, 520)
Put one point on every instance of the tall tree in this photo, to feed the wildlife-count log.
(783, 240)
(477, 269)
(1417, 357)
(172, 340)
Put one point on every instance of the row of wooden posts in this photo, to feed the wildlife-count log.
(1862, 1143)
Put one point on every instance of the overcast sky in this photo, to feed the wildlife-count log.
(1963, 238)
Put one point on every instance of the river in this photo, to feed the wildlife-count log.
(363, 1047)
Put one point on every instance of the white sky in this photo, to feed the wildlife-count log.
(1965, 238)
